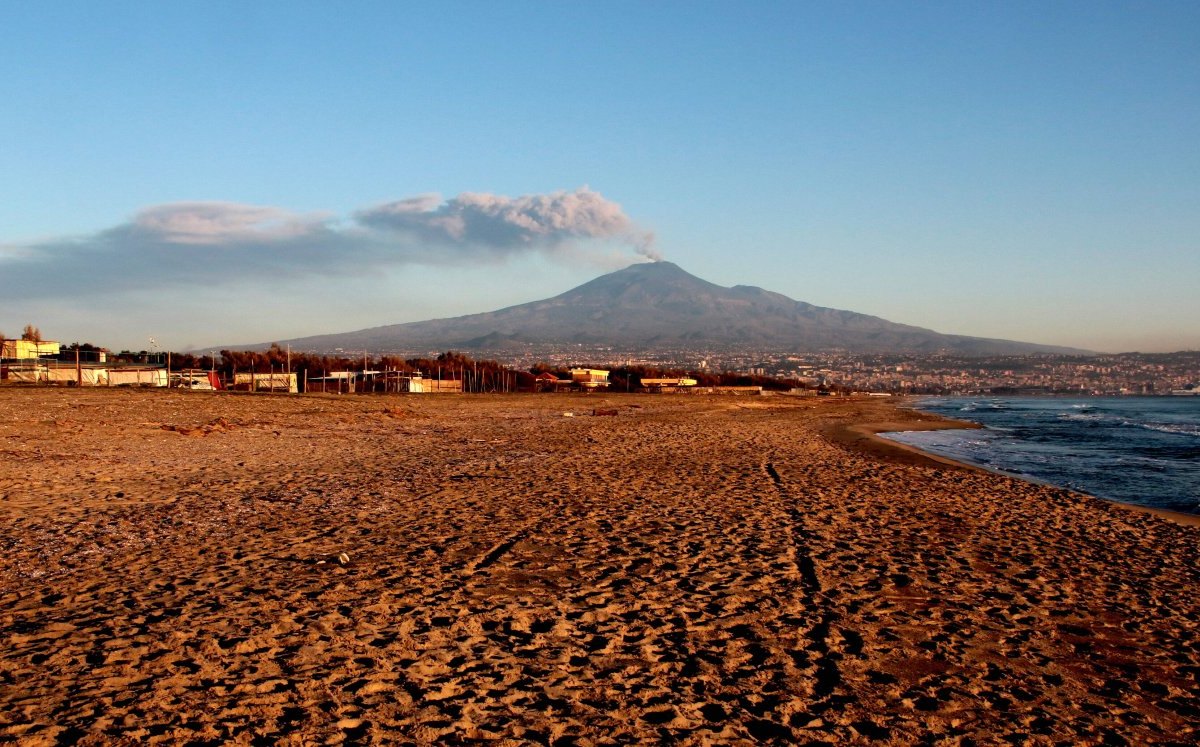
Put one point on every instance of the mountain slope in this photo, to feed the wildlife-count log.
(659, 305)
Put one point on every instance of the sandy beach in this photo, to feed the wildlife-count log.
(199, 568)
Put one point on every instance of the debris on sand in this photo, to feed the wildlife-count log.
(215, 426)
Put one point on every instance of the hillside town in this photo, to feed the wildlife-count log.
(1118, 374)
(1103, 374)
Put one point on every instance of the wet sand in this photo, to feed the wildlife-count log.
(196, 568)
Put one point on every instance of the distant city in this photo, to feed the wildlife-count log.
(1102, 374)
(35, 360)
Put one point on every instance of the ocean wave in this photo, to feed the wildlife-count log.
(1186, 429)
(994, 405)
(1080, 416)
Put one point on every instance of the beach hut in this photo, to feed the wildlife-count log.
(137, 376)
(266, 382)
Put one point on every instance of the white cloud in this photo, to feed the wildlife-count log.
(217, 223)
(212, 243)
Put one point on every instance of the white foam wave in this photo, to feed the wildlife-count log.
(1187, 429)
(1080, 416)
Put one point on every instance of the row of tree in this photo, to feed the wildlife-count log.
(30, 333)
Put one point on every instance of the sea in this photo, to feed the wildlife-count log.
(1139, 450)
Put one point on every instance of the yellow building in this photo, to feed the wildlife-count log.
(589, 378)
(668, 382)
(28, 349)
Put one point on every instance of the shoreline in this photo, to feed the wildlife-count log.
(866, 437)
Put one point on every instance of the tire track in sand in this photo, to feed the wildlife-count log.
(828, 674)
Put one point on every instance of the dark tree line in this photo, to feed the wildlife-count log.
(30, 334)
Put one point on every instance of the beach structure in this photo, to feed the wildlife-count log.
(408, 384)
(34, 372)
(398, 381)
(753, 391)
(349, 382)
(442, 386)
(25, 361)
(403, 382)
(667, 385)
(88, 376)
(265, 382)
(415, 383)
(333, 382)
(62, 373)
(196, 379)
(545, 382)
(589, 378)
(548, 382)
(136, 376)
(28, 349)
(46, 362)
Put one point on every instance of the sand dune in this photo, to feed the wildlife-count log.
(196, 568)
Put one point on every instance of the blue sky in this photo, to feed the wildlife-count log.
(210, 173)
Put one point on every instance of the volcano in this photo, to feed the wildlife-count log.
(659, 305)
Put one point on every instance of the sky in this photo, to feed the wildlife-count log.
(208, 174)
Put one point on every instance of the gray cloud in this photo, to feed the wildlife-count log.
(513, 224)
(206, 243)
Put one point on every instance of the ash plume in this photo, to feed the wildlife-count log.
(211, 243)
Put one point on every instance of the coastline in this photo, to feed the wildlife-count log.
(862, 434)
(866, 437)
(432, 569)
